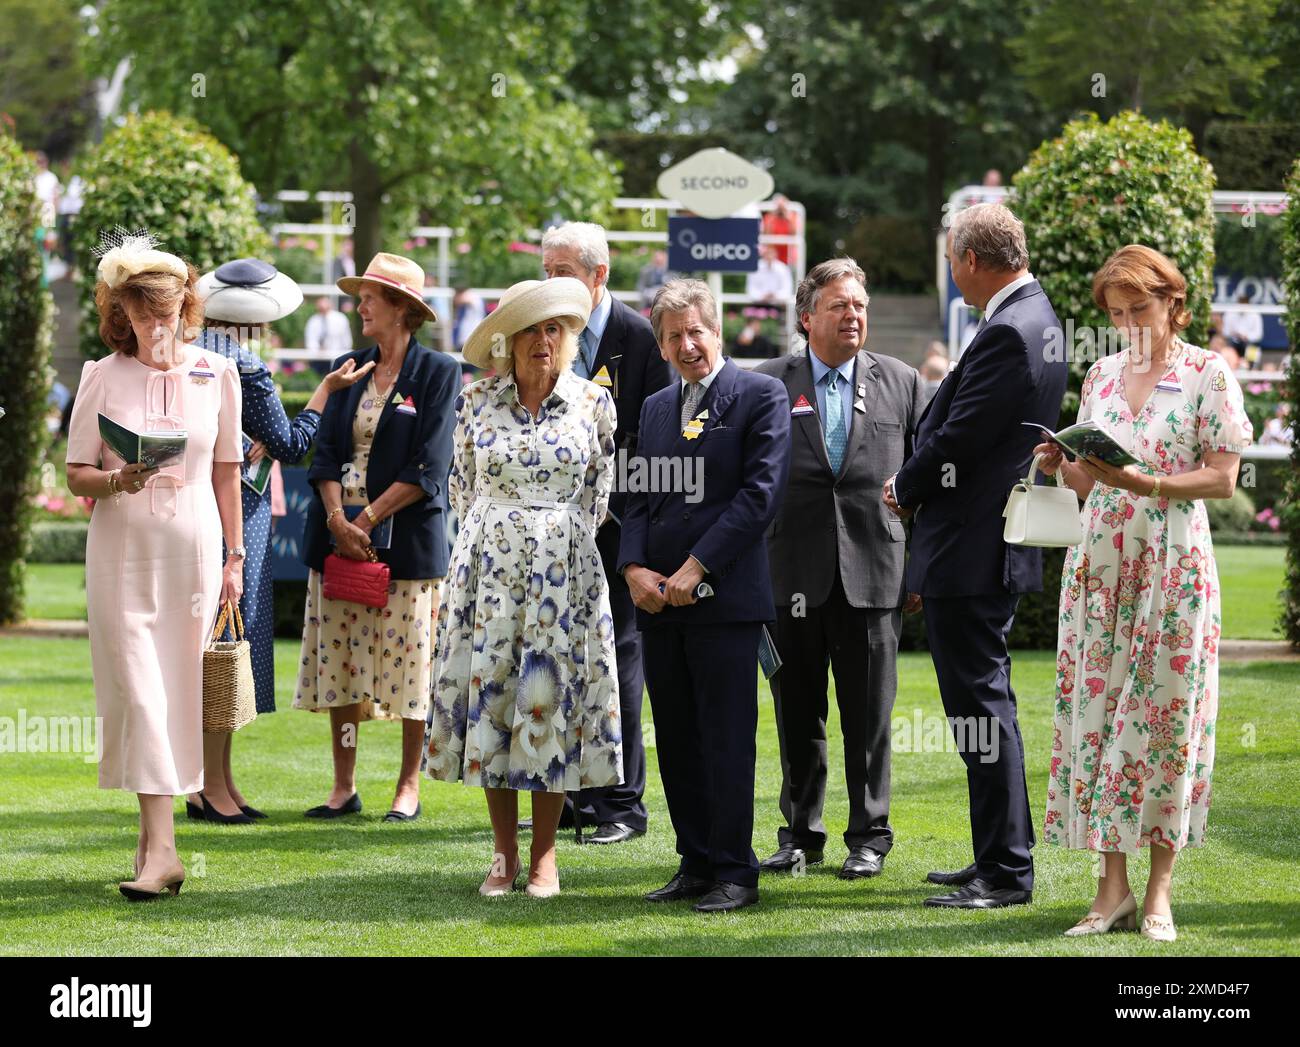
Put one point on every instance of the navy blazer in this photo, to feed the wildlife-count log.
(743, 456)
(408, 448)
(971, 450)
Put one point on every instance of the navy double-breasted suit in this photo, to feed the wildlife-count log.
(701, 660)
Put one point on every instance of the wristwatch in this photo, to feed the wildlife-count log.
(238, 552)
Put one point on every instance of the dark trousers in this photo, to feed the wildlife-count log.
(860, 645)
(968, 643)
(621, 803)
(703, 682)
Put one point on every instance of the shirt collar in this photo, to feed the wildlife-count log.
(820, 367)
(568, 387)
(996, 301)
(599, 318)
(707, 381)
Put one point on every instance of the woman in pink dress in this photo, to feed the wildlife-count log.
(154, 572)
(1137, 685)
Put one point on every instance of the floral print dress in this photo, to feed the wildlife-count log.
(380, 658)
(525, 689)
(1137, 682)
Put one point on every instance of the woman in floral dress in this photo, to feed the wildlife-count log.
(525, 692)
(1137, 665)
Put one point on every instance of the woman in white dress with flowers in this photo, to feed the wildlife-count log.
(525, 692)
(1137, 660)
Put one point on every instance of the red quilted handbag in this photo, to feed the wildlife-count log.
(357, 581)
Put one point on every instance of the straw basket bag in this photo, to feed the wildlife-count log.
(228, 696)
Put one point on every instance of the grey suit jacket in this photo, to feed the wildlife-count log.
(827, 521)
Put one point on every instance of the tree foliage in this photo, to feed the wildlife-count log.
(1289, 507)
(1100, 186)
(26, 310)
(44, 90)
(168, 175)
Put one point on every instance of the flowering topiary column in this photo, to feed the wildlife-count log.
(26, 310)
(1289, 506)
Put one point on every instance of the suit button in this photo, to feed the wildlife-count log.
(686, 516)
(654, 519)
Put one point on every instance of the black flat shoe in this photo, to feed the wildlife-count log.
(980, 894)
(953, 879)
(679, 888)
(352, 805)
(194, 811)
(862, 863)
(727, 897)
(398, 816)
(211, 814)
(252, 812)
(614, 832)
(788, 858)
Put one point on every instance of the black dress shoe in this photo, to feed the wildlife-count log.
(526, 824)
(566, 821)
(679, 888)
(788, 858)
(211, 814)
(980, 894)
(727, 896)
(398, 816)
(862, 863)
(352, 805)
(193, 810)
(953, 879)
(614, 832)
(252, 812)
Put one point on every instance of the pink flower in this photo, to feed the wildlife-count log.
(1179, 663)
(1095, 685)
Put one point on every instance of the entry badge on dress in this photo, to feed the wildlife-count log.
(202, 372)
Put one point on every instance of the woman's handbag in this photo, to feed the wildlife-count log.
(229, 698)
(357, 581)
(1040, 515)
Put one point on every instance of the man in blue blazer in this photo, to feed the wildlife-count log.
(970, 450)
(695, 561)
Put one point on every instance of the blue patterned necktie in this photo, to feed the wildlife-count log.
(586, 354)
(836, 439)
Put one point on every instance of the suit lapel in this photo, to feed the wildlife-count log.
(402, 385)
(609, 353)
(798, 379)
(866, 391)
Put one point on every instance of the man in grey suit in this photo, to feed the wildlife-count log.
(836, 557)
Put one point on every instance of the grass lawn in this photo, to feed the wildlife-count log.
(360, 886)
(1250, 576)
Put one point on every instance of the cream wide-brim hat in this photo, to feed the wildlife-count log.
(395, 272)
(522, 305)
(248, 291)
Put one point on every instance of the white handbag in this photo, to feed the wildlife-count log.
(1041, 515)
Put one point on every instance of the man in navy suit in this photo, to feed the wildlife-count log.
(695, 561)
(970, 450)
(617, 351)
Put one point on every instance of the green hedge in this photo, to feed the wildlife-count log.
(58, 543)
(1100, 186)
(1289, 508)
(168, 175)
(26, 315)
(1252, 156)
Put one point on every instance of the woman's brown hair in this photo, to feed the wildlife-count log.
(412, 315)
(1141, 270)
(154, 293)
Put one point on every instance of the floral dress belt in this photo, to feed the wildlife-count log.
(533, 503)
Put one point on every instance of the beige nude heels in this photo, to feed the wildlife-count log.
(139, 890)
(1124, 918)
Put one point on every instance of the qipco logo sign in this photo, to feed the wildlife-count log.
(705, 252)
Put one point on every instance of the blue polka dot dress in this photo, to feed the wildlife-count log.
(286, 441)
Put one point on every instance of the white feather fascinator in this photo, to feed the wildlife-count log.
(124, 254)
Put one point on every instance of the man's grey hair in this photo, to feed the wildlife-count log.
(810, 287)
(676, 296)
(995, 235)
(587, 238)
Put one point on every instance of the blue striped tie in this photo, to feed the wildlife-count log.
(836, 438)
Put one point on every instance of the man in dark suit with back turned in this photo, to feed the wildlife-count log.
(836, 556)
(617, 351)
(970, 450)
(732, 428)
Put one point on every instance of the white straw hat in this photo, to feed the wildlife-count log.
(526, 303)
(248, 291)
